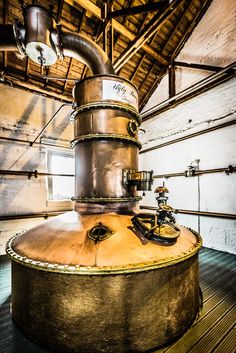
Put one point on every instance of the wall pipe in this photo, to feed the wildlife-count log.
(33, 215)
(39, 144)
(31, 174)
(196, 213)
(195, 134)
(227, 170)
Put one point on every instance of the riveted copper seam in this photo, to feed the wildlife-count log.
(104, 105)
(105, 270)
(106, 199)
(106, 136)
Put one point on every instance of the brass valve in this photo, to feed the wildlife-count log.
(142, 179)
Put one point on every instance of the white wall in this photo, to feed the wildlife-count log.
(217, 191)
(213, 42)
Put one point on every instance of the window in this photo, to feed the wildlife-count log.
(60, 187)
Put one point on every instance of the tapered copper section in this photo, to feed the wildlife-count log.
(64, 240)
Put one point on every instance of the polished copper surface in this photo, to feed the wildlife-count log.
(91, 90)
(122, 313)
(104, 145)
(101, 121)
(64, 240)
(99, 165)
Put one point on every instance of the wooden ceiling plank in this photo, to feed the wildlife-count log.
(169, 39)
(124, 20)
(152, 27)
(138, 9)
(96, 11)
(143, 57)
(204, 7)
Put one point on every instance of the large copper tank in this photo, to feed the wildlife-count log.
(75, 293)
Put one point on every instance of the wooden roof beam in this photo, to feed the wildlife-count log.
(134, 10)
(177, 50)
(96, 11)
(163, 72)
(148, 31)
(59, 10)
(198, 66)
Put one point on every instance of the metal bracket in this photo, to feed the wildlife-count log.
(142, 179)
(149, 227)
(33, 174)
(192, 168)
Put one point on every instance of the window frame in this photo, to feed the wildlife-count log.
(50, 199)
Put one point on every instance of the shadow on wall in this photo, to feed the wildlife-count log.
(21, 122)
(11, 188)
(25, 158)
(58, 130)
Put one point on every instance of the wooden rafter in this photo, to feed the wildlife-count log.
(138, 9)
(96, 11)
(148, 31)
(59, 11)
(145, 78)
(173, 34)
(124, 20)
(196, 20)
(157, 80)
(142, 59)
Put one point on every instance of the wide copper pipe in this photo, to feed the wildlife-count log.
(84, 49)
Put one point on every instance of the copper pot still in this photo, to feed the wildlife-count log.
(104, 277)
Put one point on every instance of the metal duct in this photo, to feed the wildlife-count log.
(12, 38)
(38, 42)
(42, 44)
(85, 50)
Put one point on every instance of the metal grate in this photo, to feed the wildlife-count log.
(213, 332)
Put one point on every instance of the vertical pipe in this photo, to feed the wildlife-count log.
(171, 77)
(5, 22)
(111, 36)
(104, 20)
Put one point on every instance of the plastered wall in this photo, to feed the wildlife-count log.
(213, 43)
(22, 116)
